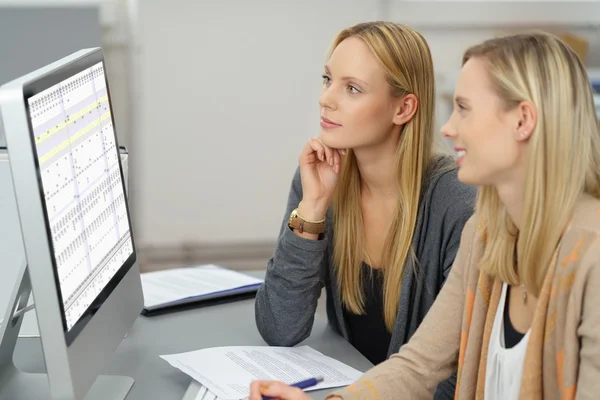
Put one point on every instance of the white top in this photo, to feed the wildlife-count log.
(504, 366)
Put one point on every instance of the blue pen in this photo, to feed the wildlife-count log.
(301, 385)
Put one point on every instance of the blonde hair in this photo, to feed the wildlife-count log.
(405, 57)
(563, 156)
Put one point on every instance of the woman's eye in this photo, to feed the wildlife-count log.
(353, 90)
(326, 79)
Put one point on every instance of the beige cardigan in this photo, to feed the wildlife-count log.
(563, 354)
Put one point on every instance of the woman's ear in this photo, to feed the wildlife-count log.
(527, 120)
(406, 109)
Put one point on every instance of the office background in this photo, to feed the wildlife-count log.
(215, 99)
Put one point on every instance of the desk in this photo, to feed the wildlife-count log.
(220, 325)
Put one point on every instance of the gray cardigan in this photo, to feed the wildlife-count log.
(286, 303)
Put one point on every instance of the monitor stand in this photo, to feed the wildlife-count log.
(16, 384)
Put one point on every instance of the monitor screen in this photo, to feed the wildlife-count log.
(82, 186)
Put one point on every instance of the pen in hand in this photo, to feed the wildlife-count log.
(301, 385)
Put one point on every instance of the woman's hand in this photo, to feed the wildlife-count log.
(275, 390)
(319, 170)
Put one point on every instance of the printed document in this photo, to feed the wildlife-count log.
(174, 285)
(228, 371)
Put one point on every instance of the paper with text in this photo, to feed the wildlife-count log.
(170, 285)
(228, 371)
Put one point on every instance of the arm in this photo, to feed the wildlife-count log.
(286, 303)
(588, 384)
(431, 355)
(454, 203)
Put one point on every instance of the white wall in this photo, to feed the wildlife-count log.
(227, 95)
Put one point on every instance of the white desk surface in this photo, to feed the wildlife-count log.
(219, 325)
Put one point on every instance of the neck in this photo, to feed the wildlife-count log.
(512, 195)
(377, 167)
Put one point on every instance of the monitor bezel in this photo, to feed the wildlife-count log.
(31, 89)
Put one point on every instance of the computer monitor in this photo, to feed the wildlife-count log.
(74, 216)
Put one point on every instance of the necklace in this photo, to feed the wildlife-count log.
(524, 291)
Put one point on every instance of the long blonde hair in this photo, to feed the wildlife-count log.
(563, 156)
(405, 57)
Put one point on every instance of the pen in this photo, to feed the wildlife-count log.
(302, 385)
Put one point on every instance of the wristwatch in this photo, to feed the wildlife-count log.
(304, 225)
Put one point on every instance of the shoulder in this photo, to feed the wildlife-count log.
(581, 241)
(578, 262)
(444, 192)
(471, 247)
(586, 216)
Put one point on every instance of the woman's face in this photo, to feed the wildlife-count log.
(357, 107)
(489, 139)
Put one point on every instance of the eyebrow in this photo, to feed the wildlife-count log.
(459, 99)
(348, 78)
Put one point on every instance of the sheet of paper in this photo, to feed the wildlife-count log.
(179, 283)
(228, 371)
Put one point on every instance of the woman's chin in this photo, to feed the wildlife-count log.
(468, 177)
(333, 140)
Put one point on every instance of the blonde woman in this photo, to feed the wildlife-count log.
(519, 315)
(373, 214)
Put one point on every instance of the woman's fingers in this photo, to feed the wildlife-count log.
(275, 390)
(318, 147)
(310, 153)
(337, 161)
(325, 152)
(328, 154)
(255, 388)
(315, 150)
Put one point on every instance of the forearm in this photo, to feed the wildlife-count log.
(311, 211)
(286, 303)
(413, 373)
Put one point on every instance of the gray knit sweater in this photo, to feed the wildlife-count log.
(300, 268)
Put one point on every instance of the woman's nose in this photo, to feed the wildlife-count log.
(327, 98)
(447, 130)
